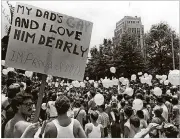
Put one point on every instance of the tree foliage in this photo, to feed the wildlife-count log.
(159, 49)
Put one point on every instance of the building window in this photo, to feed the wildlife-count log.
(138, 30)
(133, 21)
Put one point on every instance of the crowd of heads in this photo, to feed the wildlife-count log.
(24, 93)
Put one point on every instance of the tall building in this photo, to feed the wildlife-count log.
(129, 24)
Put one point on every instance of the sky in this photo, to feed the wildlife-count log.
(105, 14)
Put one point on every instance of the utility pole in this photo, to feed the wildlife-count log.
(172, 51)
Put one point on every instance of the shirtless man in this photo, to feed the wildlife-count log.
(22, 106)
(64, 126)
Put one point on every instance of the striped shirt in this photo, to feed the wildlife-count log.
(103, 119)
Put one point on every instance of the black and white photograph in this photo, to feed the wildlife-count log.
(90, 69)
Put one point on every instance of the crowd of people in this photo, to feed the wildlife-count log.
(69, 111)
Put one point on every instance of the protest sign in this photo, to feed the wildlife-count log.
(48, 42)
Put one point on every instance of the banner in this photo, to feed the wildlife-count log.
(48, 42)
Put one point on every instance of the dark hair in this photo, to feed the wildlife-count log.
(123, 103)
(94, 115)
(159, 99)
(19, 99)
(140, 114)
(92, 93)
(135, 121)
(128, 111)
(171, 132)
(174, 101)
(119, 97)
(54, 96)
(62, 104)
(102, 107)
(13, 90)
(78, 104)
(139, 96)
(158, 112)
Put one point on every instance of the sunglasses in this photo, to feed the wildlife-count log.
(28, 104)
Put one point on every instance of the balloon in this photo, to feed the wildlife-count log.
(168, 92)
(157, 91)
(121, 79)
(105, 83)
(56, 84)
(71, 86)
(157, 76)
(164, 77)
(133, 77)
(91, 81)
(5, 71)
(43, 106)
(125, 81)
(150, 77)
(129, 91)
(145, 75)
(139, 73)
(82, 84)
(29, 74)
(142, 80)
(95, 85)
(174, 77)
(137, 104)
(24, 85)
(113, 70)
(3, 62)
(161, 81)
(10, 69)
(99, 99)
(166, 82)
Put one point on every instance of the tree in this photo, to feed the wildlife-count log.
(128, 56)
(159, 48)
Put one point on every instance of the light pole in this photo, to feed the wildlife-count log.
(172, 51)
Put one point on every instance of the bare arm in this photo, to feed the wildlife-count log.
(78, 132)
(19, 129)
(50, 131)
(126, 132)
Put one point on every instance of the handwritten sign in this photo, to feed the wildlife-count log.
(48, 42)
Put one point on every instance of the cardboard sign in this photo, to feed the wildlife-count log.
(48, 42)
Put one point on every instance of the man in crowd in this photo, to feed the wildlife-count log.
(22, 106)
(79, 113)
(93, 129)
(63, 126)
(103, 119)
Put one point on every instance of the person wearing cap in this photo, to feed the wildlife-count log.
(63, 126)
(94, 129)
(22, 105)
